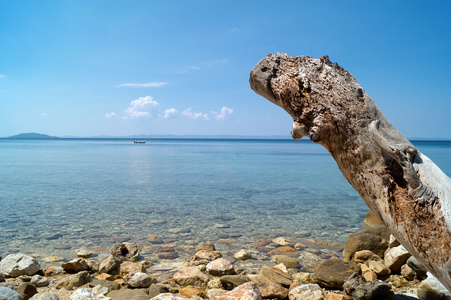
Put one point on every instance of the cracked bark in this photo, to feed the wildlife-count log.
(405, 188)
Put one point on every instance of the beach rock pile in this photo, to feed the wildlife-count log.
(373, 266)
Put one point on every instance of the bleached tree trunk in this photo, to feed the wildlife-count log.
(405, 188)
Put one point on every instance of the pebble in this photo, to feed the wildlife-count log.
(83, 253)
(179, 230)
(243, 254)
(39, 281)
(306, 291)
(282, 241)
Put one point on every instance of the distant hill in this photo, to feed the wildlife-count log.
(32, 135)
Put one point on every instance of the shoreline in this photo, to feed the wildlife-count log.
(162, 259)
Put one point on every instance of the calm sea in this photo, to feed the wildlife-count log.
(64, 194)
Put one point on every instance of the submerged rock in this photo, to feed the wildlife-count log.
(203, 257)
(208, 246)
(243, 254)
(282, 241)
(83, 253)
(372, 220)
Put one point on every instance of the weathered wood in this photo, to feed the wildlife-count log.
(405, 188)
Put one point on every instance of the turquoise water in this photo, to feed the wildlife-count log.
(64, 194)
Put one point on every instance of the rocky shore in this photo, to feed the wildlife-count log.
(372, 265)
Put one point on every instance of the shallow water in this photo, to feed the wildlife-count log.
(64, 194)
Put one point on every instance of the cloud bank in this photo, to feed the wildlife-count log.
(147, 107)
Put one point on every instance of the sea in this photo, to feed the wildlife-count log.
(58, 195)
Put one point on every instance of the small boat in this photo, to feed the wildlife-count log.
(139, 142)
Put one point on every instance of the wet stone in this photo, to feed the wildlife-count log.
(225, 241)
(208, 246)
(83, 253)
(153, 239)
(61, 247)
(52, 236)
(179, 230)
(157, 222)
(166, 249)
(260, 242)
(167, 255)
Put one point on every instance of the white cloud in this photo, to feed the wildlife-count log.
(142, 85)
(2, 76)
(111, 115)
(132, 114)
(187, 113)
(139, 108)
(187, 69)
(224, 114)
(143, 101)
(170, 113)
(44, 115)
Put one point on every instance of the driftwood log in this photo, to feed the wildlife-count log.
(400, 184)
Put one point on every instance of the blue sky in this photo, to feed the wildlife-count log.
(87, 68)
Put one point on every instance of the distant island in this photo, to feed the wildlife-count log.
(32, 135)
